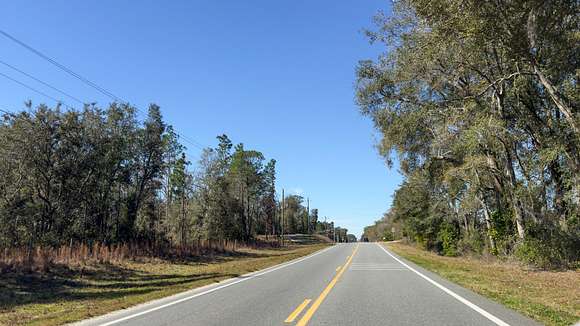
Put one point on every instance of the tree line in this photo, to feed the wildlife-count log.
(478, 101)
(100, 175)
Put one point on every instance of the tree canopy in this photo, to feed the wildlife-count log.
(478, 101)
(99, 175)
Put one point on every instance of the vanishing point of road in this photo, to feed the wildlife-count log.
(346, 284)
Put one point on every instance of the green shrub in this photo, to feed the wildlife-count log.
(448, 236)
(473, 242)
(502, 231)
(548, 246)
(388, 235)
(423, 231)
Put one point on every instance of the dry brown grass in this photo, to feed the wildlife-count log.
(75, 254)
(70, 293)
(551, 297)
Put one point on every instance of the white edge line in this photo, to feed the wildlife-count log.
(466, 302)
(242, 278)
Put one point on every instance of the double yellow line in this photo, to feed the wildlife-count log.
(310, 312)
(297, 312)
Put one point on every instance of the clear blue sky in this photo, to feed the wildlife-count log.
(275, 75)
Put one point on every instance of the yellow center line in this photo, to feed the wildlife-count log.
(310, 312)
(297, 312)
(338, 268)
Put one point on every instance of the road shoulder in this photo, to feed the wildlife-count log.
(502, 287)
(70, 294)
(118, 316)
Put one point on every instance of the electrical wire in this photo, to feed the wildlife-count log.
(35, 90)
(40, 81)
(84, 80)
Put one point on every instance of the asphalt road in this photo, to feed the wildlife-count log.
(347, 284)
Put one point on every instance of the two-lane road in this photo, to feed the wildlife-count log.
(347, 284)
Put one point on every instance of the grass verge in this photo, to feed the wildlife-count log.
(552, 298)
(67, 294)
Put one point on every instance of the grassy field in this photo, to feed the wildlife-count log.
(552, 298)
(70, 294)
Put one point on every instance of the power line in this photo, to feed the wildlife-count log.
(86, 81)
(35, 90)
(40, 81)
(76, 75)
(191, 141)
(8, 112)
(61, 66)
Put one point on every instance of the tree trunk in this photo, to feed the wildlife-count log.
(519, 216)
(509, 166)
(562, 106)
(552, 91)
(487, 223)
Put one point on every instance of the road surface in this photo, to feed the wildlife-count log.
(346, 284)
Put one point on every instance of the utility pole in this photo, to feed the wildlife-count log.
(308, 215)
(282, 217)
(274, 218)
(333, 231)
